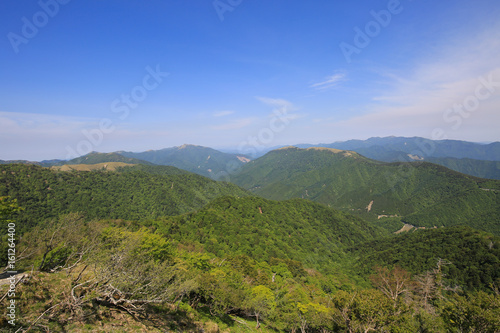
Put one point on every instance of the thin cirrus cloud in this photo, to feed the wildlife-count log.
(329, 82)
(222, 113)
(420, 100)
(234, 124)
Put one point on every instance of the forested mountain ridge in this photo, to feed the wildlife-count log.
(201, 160)
(470, 258)
(95, 158)
(422, 194)
(478, 168)
(475, 159)
(110, 276)
(134, 193)
(424, 147)
(295, 229)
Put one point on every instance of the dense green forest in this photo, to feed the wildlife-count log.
(478, 168)
(139, 193)
(105, 276)
(422, 194)
(296, 229)
(155, 248)
(470, 257)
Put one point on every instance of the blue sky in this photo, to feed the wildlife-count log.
(136, 75)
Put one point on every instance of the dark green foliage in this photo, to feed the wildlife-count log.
(296, 229)
(477, 168)
(162, 170)
(422, 194)
(132, 194)
(473, 257)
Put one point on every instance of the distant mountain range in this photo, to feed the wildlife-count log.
(201, 160)
(423, 148)
(476, 159)
(420, 193)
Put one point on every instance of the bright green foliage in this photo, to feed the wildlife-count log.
(144, 243)
(60, 243)
(299, 230)
(473, 313)
(261, 302)
(423, 194)
(130, 268)
(314, 315)
(8, 207)
(370, 310)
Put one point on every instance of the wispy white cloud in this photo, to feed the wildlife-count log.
(222, 113)
(329, 82)
(276, 102)
(281, 107)
(416, 101)
(235, 124)
(39, 136)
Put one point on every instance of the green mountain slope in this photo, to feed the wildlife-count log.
(423, 194)
(95, 158)
(296, 229)
(478, 168)
(482, 168)
(471, 257)
(134, 194)
(425, 147)
(201, 160)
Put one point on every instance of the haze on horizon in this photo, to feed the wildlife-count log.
(105, 76)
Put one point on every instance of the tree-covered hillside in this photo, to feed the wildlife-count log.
(423, 194)
(470, 258)
(201, 160)
(296, 229)
(95, 158)
(134, 194)
(478, 168)
(425, 147)
(110, 276)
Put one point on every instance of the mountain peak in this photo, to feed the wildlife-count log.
(187, 145)
(331, 150)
